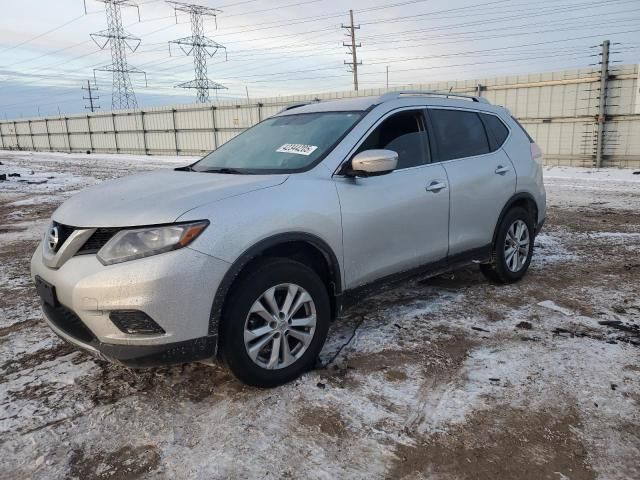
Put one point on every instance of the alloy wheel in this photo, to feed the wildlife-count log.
(280, 326)
(516, 246)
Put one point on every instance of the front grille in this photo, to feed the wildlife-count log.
(95, 242)
(64, 232)
(67, 321)
(98, 240)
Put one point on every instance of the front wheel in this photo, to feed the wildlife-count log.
(513, 248)
(275, 323)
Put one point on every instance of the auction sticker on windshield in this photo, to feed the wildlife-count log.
(297, 148)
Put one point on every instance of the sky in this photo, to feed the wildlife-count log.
(285, 47)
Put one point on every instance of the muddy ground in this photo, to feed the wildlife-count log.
(445, 378)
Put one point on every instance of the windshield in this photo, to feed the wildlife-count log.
(280, 144)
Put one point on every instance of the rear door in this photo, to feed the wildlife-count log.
(480, 175)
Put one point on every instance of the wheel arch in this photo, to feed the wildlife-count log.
(522, 199)
(294, 245)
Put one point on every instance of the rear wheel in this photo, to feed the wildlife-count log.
(513, 248)
(275, 323)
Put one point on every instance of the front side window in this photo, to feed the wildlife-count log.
(403, 133)
(280, 144)
(458, 133)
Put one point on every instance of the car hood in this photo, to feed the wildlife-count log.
(155, 197)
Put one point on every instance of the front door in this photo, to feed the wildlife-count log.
(395, 222)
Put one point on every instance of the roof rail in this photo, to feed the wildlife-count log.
(299, 104)
(426, 93)
(294, 105)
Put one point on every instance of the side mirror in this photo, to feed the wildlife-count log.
(371, 163)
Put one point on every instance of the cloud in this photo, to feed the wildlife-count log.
(285, 47)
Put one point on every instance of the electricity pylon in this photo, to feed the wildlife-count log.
(118, 39)
(199, 46)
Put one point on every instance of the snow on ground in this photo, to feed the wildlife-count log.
(448, 377)
(605, 188)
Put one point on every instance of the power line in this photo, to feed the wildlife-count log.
(426, 68)
(310, 19)
(311, 47)
(93, 52)
(554, 9)
(431, 57)
(277, 23)
(385, 39)
(45, 33)
(501, 35)
(307, 45)
(453, 54)
(84, 42)
(277, 51)
(279, 7)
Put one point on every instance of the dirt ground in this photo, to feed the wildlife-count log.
(443, 378)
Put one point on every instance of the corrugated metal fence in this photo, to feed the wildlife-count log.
(559, 109)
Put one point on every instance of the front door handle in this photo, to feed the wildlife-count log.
(435, 187)
(501, 170)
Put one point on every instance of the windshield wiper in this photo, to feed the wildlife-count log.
(233, 171)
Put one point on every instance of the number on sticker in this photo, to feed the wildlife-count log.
(297, 148)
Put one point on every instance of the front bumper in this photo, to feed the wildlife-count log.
(138, 355)
(175, 289)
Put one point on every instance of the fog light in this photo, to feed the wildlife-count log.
(135, 322)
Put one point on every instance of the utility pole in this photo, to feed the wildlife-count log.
(602, 104)
(118, 40)
(93, 107)
(353, 64)
(199, 46)
(387, 77)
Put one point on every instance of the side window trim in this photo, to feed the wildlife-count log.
(491, 141)
(434, 152)
(418, 109)
(419, 112)
(433, 140)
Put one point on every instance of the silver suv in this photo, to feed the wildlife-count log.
(250, 252)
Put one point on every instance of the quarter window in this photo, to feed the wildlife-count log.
(496, 130)
(403, 133)
(458, 133)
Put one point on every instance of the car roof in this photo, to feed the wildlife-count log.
(365, 103)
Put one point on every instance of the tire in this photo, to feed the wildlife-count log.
(505, 268)
(248, 314)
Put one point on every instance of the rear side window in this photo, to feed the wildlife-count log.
(496, 130)
(458, 133)
(404, 134)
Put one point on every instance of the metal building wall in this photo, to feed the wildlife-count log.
(559, 109)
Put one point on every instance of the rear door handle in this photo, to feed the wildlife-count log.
(435, 187)
(501, 170)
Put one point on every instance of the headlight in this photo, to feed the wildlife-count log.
(130, 244)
